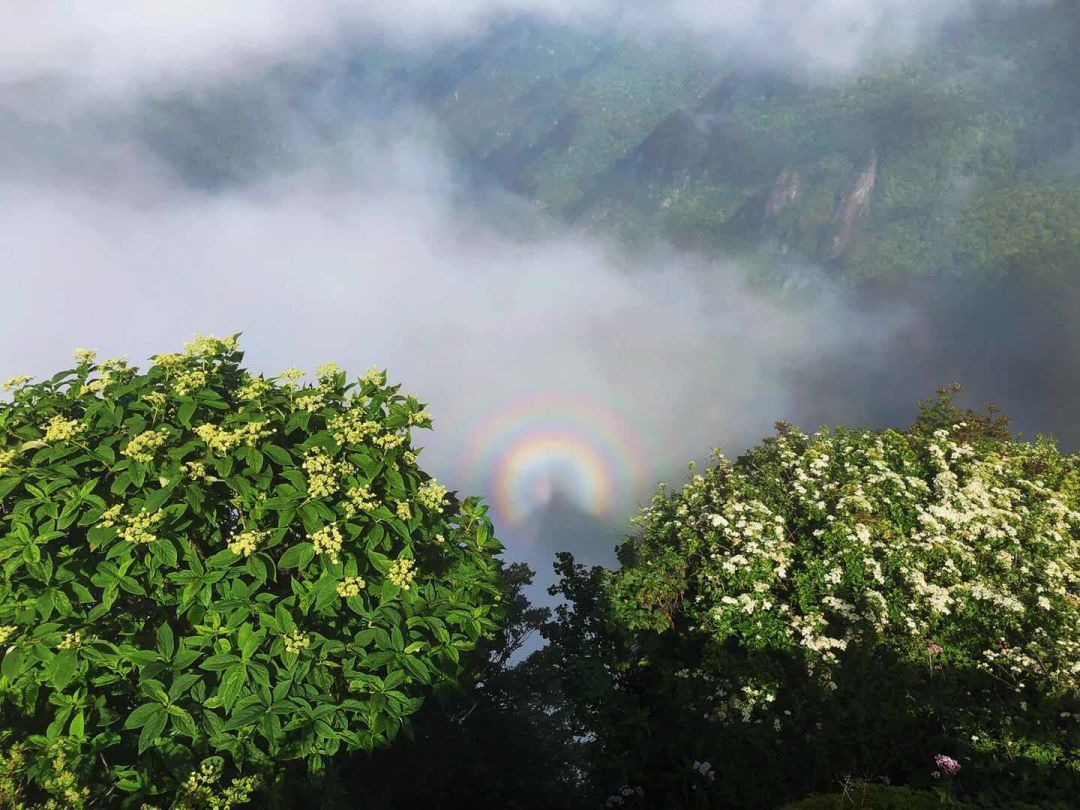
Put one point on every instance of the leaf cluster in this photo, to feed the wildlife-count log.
(197, 562)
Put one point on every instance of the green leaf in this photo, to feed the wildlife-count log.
(63, 669)
(154, 688)
(231, 684)
(152, 729)
(246, 715)
(380, 562)
(100, 535)
(256, 566)
(141, 716)
(309, 515)
(223, 559)
(164, 552)
(388, 592)
(326, 592)
(156, 499)
(279, 454)
(183, 722)
(185, 658)
(181, 684)
(166, 641)
(13, 662)
(185, 412)
(297, 556)
(216, 663)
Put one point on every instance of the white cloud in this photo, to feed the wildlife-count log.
(386, 263)
(114, 46)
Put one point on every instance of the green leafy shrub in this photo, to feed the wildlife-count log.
(208, 575)
(848, 603)
(877, 797)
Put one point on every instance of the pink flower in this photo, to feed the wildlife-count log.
(946, 765)
(933, 648)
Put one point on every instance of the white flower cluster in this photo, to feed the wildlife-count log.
(705, 769)
(884, 536)
(624, 795)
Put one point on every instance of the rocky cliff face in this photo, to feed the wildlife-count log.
(785, 192)
(854, 206)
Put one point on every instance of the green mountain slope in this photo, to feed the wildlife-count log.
(963, 158)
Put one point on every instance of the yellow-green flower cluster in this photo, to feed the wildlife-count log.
(6, 457)
(93, 386)
(60, 429)
(389, 441)
(353, 426)
(327, 371)
(12, 767)
(360, 499)
(195, 470)
(170, 361)
(404, 512)
(221, 440)
(310, 402)
(155, 398)
(431, 495)
(290, 376)
(111, 516)
(402, 573)
(16, 382)
(327, 541)
(421, 418)
(209, 346)
(7, 630)
(254, 388)
(245, 543)
(201, 791)
(111, 370)
(70, 640)
(139, 527)
(350, 586)
(374, 376)
(143, 447)
(296, 642)
(85, 357)
(189, 380)
(322, 472)
(63, 782)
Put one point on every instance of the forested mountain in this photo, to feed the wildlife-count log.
(965, 157)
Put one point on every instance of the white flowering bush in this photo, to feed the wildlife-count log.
(208, 575)
(863, 601)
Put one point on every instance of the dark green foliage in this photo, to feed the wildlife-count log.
(877, 797)
(942, 413)
(500, 740)
(1027, 229)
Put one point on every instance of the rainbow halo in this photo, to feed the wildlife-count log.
(528, 451)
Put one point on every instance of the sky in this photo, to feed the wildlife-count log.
(368, 247)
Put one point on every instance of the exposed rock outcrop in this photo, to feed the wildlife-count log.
(785, 192)
(854, 206)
